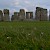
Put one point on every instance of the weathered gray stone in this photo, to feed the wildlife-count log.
(16, 15)
(41, 14)
(1, 16)
(12, 18)
(22, 14)
(6, 15)
(37, 13)
(49, 15)
(29, 15)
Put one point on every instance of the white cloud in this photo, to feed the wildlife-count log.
(16, 3)
(12, 11)
(27, 2)
(28, 5)
(25, 9)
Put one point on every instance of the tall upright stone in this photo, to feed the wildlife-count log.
(49, 15)
(6, 15)
(12, 18)
(29, 15)
(44, 15)
(1, 16)
(41, 14)
(15, 17)
(37, 13)
(22, 14)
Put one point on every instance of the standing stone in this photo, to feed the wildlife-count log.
(12, 18)
(37, 13)
(1, 16)
(6, 15)
(44, 15)
(22, 14)
(15, 17)
(29, 15)
(49, 15)
(41, 14)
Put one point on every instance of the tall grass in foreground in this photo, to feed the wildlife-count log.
(25, 35)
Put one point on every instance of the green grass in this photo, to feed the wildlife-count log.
(25, 35)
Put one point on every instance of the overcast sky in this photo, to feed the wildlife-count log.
(28, 5)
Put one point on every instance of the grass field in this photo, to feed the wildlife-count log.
(25, 35)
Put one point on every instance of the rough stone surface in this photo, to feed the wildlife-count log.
(49, 15)
(15, 17)
(29, 15)
(6, 15)
(41, 14)
(12, 18)
(1, 16)
(22, 14)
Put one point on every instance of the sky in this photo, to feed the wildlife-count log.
(28, 5)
